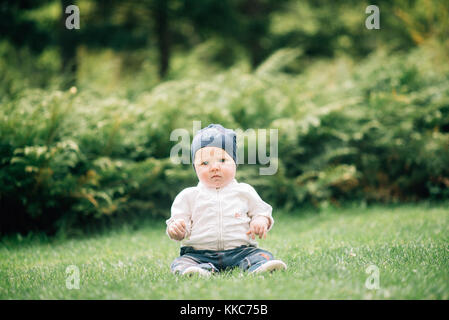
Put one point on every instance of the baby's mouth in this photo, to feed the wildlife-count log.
(216, 176)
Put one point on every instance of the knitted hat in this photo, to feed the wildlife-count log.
(215, 135)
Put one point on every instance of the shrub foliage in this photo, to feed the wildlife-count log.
(376, 130)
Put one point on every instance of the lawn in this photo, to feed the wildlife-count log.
(327, 256)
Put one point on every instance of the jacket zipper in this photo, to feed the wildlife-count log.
(220, 223)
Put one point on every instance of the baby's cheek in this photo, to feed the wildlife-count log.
(202, 175)
(229, 171)
(199, 172)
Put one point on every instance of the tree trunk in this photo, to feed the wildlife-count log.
(67, 45)
(163, 35)
(257, 25)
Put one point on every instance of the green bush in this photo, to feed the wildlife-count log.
(377, 130)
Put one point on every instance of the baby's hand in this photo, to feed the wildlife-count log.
(177, 230)
(258, 226)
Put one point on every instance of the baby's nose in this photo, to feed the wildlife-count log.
(215, 165)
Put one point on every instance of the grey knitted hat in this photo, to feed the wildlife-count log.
(215, 135)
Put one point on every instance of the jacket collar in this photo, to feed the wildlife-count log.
(226, 187)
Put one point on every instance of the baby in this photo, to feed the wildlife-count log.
(218, 220)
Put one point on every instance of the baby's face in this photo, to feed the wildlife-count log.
(214, 167)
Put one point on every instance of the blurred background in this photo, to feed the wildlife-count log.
(86, 114)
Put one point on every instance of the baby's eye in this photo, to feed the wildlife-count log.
(223, 160)
(204, 163)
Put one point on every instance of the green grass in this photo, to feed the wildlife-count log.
(327, 255)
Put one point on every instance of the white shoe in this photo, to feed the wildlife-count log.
(270, 266)
(190, 271)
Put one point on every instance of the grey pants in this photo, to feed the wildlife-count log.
(247, 258)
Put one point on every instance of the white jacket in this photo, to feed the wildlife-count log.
(218, 219)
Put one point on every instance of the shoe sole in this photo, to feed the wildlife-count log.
(195, 270)
(271, 266)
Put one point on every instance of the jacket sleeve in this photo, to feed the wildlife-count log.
(180, 209)
(258, 207)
